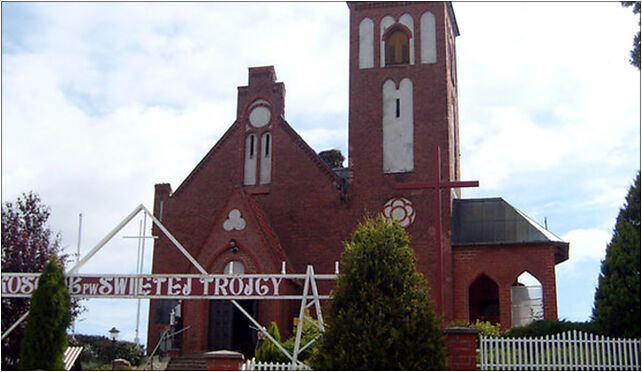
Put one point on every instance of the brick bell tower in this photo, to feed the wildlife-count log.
(403, 106)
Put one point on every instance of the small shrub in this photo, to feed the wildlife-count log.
(99, 350)
(308, 333)
(485, 328)
(545, 327)
(268, 352)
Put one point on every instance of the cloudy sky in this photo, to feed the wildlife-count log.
(100, 101)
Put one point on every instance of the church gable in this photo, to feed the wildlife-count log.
(260, 154)
(241, 233)
(313, 160)
(197, 200)
(269, 159)
(219, 161)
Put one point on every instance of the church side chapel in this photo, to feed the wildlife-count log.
(262, 196)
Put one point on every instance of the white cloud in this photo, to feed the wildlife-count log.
(510, 143)
(103, 314)
(547, 101)
(585, 244)
(325, 139)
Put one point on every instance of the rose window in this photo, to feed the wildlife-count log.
(400, 210)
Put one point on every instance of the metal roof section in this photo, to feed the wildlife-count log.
(494, 221)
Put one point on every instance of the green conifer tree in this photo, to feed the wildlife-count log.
(616, 311)
(45, 337)
(380, 317)
(268, 352)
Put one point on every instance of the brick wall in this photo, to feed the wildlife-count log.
(461, 348)
(503, 264)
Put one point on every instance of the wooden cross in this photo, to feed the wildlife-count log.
(438, 185)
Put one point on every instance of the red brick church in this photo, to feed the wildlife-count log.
(262, 196)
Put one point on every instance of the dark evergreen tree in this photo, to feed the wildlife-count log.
(27, 244)
(616, 311)
(380, 317)
(45, 338)
(635, 52)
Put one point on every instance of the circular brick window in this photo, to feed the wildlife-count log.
(260, 116)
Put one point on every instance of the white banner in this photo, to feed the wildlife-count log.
(174, 286)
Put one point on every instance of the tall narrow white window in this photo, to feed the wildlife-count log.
(266, 158)
(398, 127)
(453, 125)
(428, 38)
(385, 23)
(249, 171)
(366, 43)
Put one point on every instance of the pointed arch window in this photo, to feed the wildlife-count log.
(397, 47)
(266, 158)
(483, 300)
(249, 177)
(527, 302)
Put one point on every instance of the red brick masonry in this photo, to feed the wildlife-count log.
(223, 360)
(461, 347)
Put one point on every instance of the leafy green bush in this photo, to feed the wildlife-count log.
(270, 353)
(308, 333)
(485, 328)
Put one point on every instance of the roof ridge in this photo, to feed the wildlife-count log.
(299, 141)
(226, 136)
(548, 234)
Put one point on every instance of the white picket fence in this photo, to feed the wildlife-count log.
(253, 365)
(566, 351)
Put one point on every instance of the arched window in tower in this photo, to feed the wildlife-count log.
(266, 158)
(366, 43)
(397, 48)
(249, 170)
(428, 38)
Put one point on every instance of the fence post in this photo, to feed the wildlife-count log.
(461, 348)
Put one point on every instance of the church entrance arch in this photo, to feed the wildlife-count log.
(483, 300)
(229, 328)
